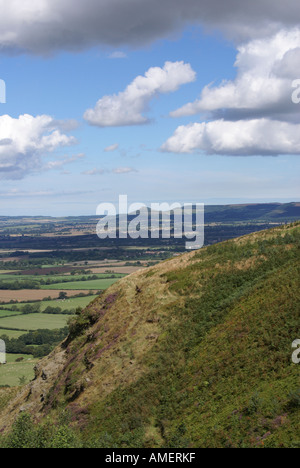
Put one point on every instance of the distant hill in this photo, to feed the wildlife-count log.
(194, 352)
(264, 212)
(223, 222)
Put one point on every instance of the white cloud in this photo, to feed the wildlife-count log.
(253, 114)
(118, 170)
(59, 163)
(118, 55)
(25, 140)
(112, 148)
(262, 88)
(47, 26)
(124, 170)
(16, 193)
(240, 138)
(94, 172)
(128, 107)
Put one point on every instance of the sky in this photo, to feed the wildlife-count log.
(169, 100)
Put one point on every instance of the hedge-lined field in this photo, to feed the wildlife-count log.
(66, 304)
(87, 285)
(33, 322)
(16, 373)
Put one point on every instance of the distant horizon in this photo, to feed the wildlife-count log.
(212, 202)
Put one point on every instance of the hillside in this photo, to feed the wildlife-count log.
(263, 212)
(194, 352)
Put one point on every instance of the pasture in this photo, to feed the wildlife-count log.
(33, 322)
(66, 304)
(11, 333)
(92, 285)
(9, 313)
(12, 372)
(11, 278)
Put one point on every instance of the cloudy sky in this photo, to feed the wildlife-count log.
(162, 100)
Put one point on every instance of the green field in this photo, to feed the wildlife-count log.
(88, 285)
(11, 372)
(11, 333)
(33, 322)
(9, 313)
(55, 278)
(67, 304)
(13, 357)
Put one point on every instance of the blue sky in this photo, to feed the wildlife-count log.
(227, 146)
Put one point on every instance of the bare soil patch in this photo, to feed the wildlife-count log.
(34, 294)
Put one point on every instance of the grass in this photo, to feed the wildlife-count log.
(33, 322)
(12, 333)
(197, 354)
(56, 278)
(11, 372)
(13, 357)
(81, 285)
(210, 368)
(8, 313)
(68, 304)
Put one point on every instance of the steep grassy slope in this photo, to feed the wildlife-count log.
(194, 352)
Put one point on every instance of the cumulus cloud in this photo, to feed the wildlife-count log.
(24, 142)
(253, 114)
(262, 88)
(46, 26)
(128, 107)
(240, 138)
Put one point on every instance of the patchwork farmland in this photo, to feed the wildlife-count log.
(40, 294)
(51, 269)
